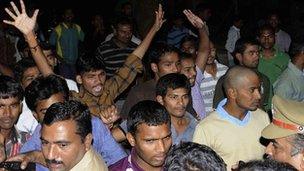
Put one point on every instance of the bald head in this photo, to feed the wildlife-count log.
(237, 76)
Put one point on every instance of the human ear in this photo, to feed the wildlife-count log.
(131, 139)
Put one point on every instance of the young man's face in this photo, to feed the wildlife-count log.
(175, 101)
(10, 109)
(273, 21)
(267, 39)
(248, 93)
(151, 144)
(29, 75)
(250, 57)
(188, 69)
(280, 149)
(62, 148)
(92, 82)
(169, 63)
(51, 58)
(188, 47)
(43, 105)
(124, 33)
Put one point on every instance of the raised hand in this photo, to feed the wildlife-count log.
(109, 115)
(159, 18)
(21, 21)
(194, 20)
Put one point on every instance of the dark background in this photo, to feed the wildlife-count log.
(253, 12)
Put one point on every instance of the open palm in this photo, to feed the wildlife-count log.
(21, 21)
(194, 20)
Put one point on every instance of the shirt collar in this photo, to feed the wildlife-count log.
(226, 116)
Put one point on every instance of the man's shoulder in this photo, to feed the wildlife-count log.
(122, 164)
(210, 119)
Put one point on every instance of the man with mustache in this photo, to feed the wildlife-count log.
(149, 134)
(285, 132)
(66, 137)
(233, 130)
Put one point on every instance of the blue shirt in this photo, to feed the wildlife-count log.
(225, 115)
(103, 143)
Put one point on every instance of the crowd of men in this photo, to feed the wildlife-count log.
(97, 111)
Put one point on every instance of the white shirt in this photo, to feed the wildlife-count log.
(282, 40)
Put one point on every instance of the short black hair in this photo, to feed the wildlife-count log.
(88, 62)
(70, 110)
(158, 50)
(149, 112)
(242, 43)
(201, 7)
(266, 27)
(190, 38)
(122, 20)
(173, 81)
(190, 156)
(21, 66)
(265, 165)
(10, 88)
(43, 88)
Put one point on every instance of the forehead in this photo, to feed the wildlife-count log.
(177, 91)
(60, 131)
(169, 57)
(187, 62)
(153, 132)
(9, 101)
(250, 47)
(251, 80)
(31, 71)
(55, 98)
(266, 32)
(124, 26)
(95, 72)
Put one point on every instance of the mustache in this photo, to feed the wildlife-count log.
(53, 161)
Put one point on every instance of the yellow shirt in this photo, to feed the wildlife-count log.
(91, 161)
(231, 141)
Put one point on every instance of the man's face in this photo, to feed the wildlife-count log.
(43, 105)
(267, 39)
(68, 15)
(124, 33)
(188, 47)
(206, 14)
(169, 63)
(93, 81)
(188, 69)
(250, 57)
(212, 54)
(280, 149)
(273, 21)
(10, 109)
(62, 148)
(175, 101)
(29, 75)
(248, 93)
(51, 58)
(151, 144)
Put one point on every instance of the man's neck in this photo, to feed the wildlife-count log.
(145, 166)
(120, 43)
(268, 53)
(234, 110)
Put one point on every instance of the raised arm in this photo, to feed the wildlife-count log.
(26, 25)
(144, 45)
(203, 49)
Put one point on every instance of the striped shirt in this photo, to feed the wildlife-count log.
(112, 56)
(15, 142)
(208, 86)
